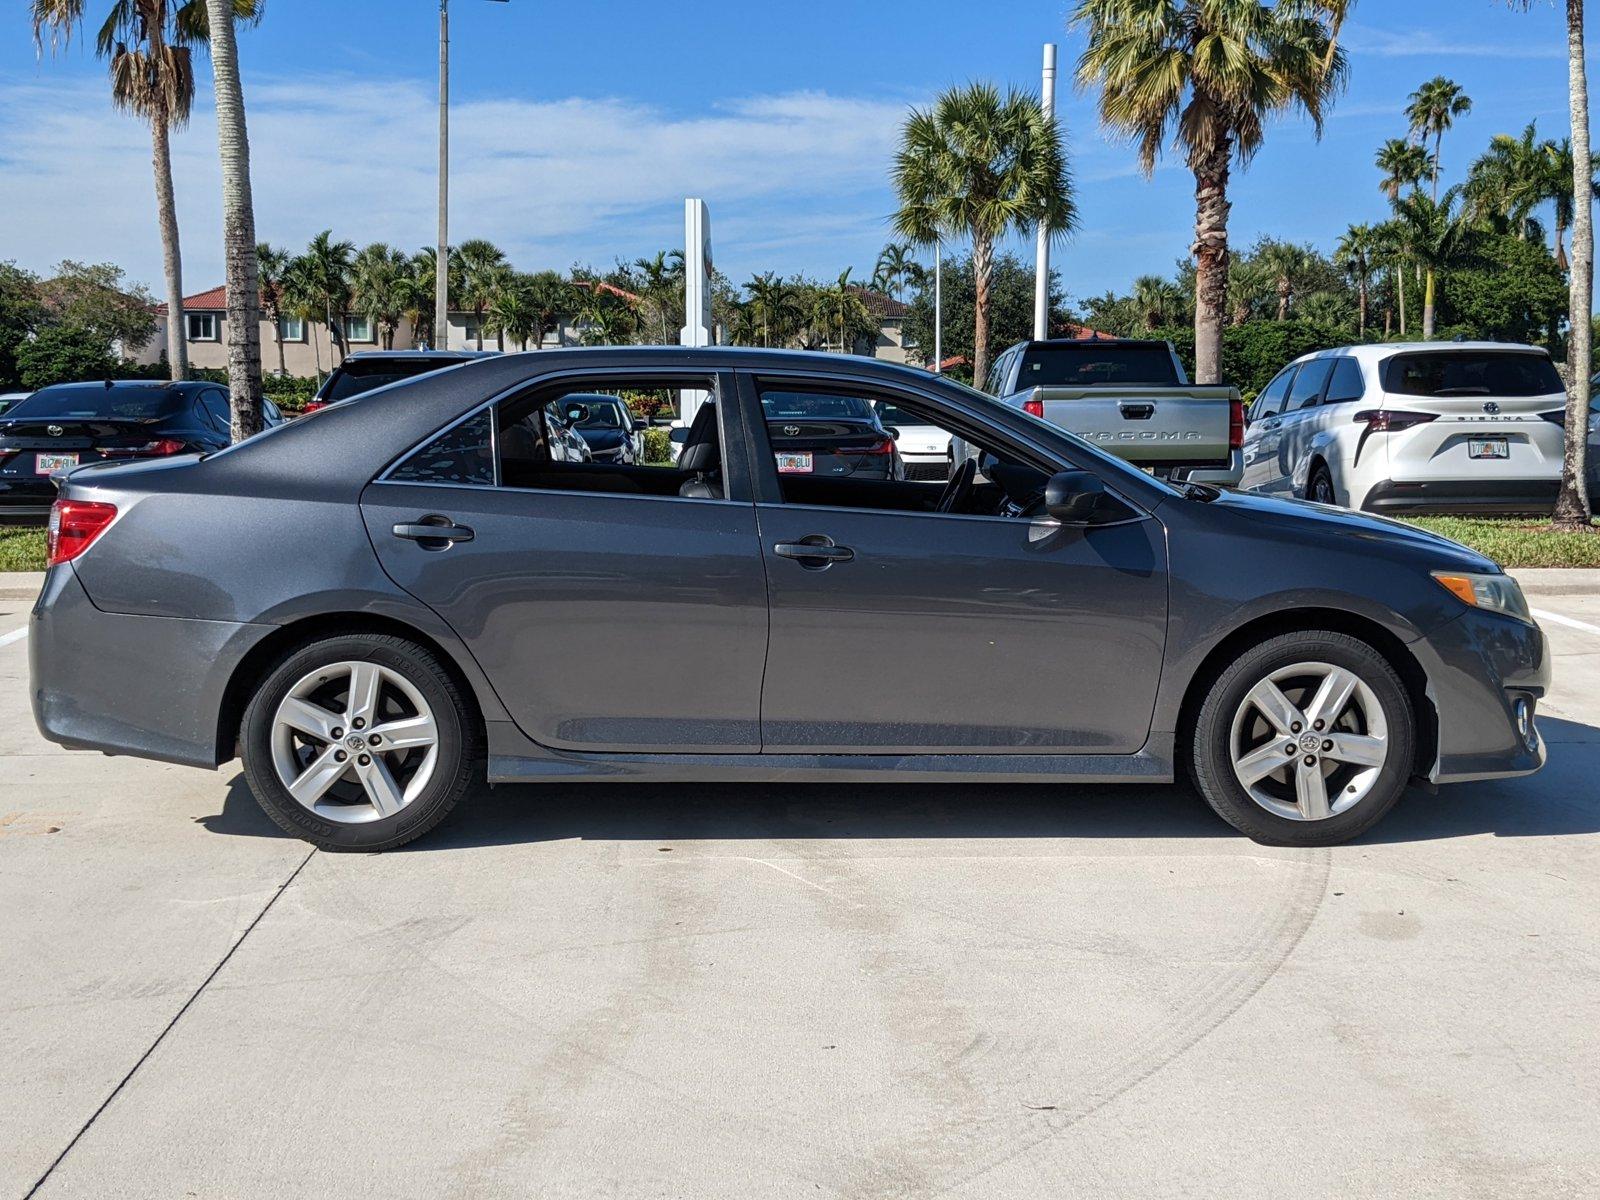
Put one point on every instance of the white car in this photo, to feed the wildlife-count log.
(924, 448)
(1467, 427)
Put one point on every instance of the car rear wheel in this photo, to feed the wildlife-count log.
(1305, 740)
(358, 742)
(1320, 487)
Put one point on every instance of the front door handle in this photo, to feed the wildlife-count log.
(434, 532)
(814, 552)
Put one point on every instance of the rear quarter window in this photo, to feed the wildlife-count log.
(1471, 373)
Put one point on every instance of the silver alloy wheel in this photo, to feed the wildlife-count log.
(1309, 741)
(354, 742)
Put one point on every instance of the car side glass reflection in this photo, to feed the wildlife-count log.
(461, 455)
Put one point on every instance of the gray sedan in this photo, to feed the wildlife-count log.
(479, 606)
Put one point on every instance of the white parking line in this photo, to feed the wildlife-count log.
(16, 635)
(1558, 619)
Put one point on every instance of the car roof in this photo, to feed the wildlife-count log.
(1376, 352)
(152, 385)
(443, 355)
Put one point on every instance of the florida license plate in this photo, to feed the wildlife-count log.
(49, 464)
(1488, 448)
(794, 464)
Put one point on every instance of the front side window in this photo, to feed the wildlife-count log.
(1270, 402)
(1308, 383)
(203, 327)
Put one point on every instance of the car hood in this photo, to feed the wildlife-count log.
(601, 437)
(1308, 520)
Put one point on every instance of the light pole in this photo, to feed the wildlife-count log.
(938, 308)
(441, 265)
(1041, 283)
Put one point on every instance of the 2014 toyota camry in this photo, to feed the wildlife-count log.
(378, 604)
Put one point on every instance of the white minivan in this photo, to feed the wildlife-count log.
(1411, 427)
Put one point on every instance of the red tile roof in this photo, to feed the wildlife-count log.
(213, 300)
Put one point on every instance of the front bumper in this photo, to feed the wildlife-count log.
(1478, 666)
(151, 687)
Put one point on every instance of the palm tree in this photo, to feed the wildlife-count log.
(1572, 502)
(513, 313)
(662, 278)
(984, 165)
(1433, 109)
(1510, 180)
(149, 47)
(551, 298)
(417, 295)
(483, 269)
(378, 288)
(271, 264)
(301, 301)
(1353, 255)
(1433, 233)
(1209, 74)
(774, 306)
(1151, 296)
(1391, 249)
(896, 269)
(1403, 164)
(238, 220)
(842, 300)
(1248, 281)
(1286, 263)
(322, 275)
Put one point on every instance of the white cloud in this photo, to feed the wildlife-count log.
(1429, 43)
(578, 178)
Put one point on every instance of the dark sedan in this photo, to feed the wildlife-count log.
(369, 370)
(606, 426)
(477, 605)
(822, 433)
(64, 426)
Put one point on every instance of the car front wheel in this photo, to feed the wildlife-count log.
(1305, 740)
(358, 742)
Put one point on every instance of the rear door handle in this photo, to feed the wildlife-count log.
(814, 552)
(1138, 412)
(434, 529)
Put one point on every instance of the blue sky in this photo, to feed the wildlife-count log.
(579, 128)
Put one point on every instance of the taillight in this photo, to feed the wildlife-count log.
(160, 448)
(1390, 420)
(74, 525)
(884, 447)
(1034, 408)
(1386, 420)
(1235, 424)
(314, 405)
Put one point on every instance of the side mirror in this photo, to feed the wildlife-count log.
(894, 434)
(640, 426)
(577, 414)
(1078, 498)
(679, 435)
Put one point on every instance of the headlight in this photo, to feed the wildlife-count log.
(1497, 593)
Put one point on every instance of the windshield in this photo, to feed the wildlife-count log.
(119, 402)
(893, 414)
(358, 376)
(1087, 364)
(1109, 465)
(1472, 373)
(603, 412)
(781, 406)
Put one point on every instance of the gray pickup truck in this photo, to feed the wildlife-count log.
(1130, 398)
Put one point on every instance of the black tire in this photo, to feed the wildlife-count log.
(1212, 762)
(455, 717)
(1320, 486)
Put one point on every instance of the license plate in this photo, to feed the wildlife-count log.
(794, 464)
(1488, 448)
(49, 464)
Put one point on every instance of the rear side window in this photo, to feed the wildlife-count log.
(1471, 373)
(215, 403)
(359, 375)
(1346, 384)
(1270, 402)
(1308, 384)
(1087, 364)
(462, 455)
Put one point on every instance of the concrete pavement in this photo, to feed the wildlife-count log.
(782, 990)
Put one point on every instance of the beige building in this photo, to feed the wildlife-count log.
(308, 348)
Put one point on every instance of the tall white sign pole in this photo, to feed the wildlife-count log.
(441, 271)
(697, 274)
(938, 308)
(1041, 283)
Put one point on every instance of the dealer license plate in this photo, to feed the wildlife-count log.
(1488, 448)
(49, 464)
(794, 464)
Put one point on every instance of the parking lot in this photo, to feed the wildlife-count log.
(784, 990)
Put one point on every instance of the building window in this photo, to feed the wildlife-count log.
(291, 329)
(357, 329)
(203, 327)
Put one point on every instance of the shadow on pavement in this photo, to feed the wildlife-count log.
(1562, 799)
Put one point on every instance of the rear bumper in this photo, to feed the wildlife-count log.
(1228, 476)
(1490, 496)
(151, 687)
(1478, 666)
